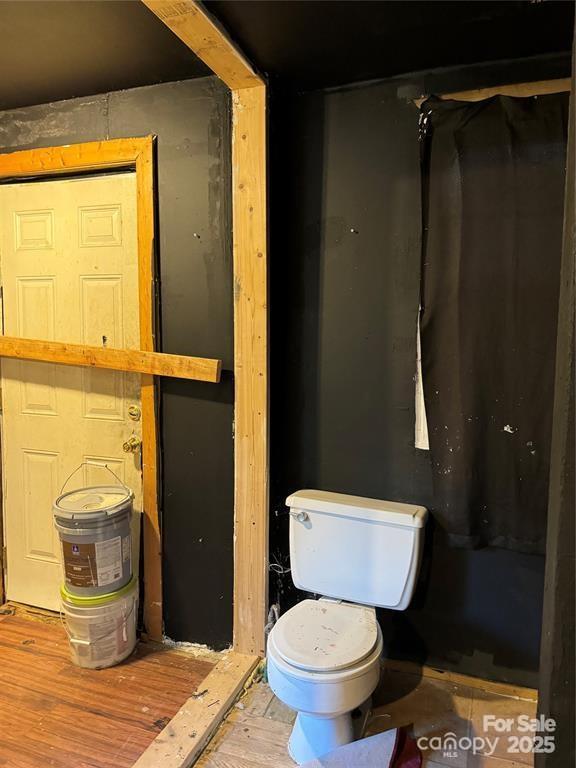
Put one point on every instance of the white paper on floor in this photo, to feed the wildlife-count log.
(373, 752)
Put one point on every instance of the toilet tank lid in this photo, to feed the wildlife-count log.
(391, 512)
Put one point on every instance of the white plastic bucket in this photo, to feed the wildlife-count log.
(101, 629)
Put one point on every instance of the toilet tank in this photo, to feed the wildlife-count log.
(355, 549)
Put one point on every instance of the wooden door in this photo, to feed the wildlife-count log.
(69, 272)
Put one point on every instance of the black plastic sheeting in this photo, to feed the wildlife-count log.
(493, 211)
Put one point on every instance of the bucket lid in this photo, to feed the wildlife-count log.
(97, 600)
(95, 503)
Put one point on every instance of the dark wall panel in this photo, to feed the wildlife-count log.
(476, 612)
(191, 121)
(45, 125)
(345, 295)
(345, 282)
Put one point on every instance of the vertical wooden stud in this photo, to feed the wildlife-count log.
(251, 368)
(189, 21)
(151, 535)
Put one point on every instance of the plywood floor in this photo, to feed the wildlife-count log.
(256, 733)
(55, 714)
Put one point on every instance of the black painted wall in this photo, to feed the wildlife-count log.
(191, 120)
(345, 281)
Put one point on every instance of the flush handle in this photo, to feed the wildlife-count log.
(299, 514)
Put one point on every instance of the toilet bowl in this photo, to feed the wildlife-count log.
(323, 655)
(323, 660)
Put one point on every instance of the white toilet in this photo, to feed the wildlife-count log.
(323, 656)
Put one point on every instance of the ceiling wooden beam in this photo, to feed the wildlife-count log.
(194, 26)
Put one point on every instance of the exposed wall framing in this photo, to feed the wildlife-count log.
(98, 156)
(251, 369)
(188, 20)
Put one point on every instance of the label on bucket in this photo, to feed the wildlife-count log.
(93, 565)
(109, 561)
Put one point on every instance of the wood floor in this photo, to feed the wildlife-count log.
(55, 714)
(256, 732)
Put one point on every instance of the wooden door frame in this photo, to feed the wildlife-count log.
(136, 154)
(189, 21)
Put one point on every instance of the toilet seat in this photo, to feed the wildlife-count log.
(323, 636)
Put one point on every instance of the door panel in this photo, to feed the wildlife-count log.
(69, 271)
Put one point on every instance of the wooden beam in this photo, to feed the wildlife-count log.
(130, 360)
(186, 735)
(188, 20)
(152, 599)
(93, 155)
(195, 27)
(3, 563)
(516, 90)
(251, 369)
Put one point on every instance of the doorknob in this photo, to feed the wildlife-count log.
(132, 445)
